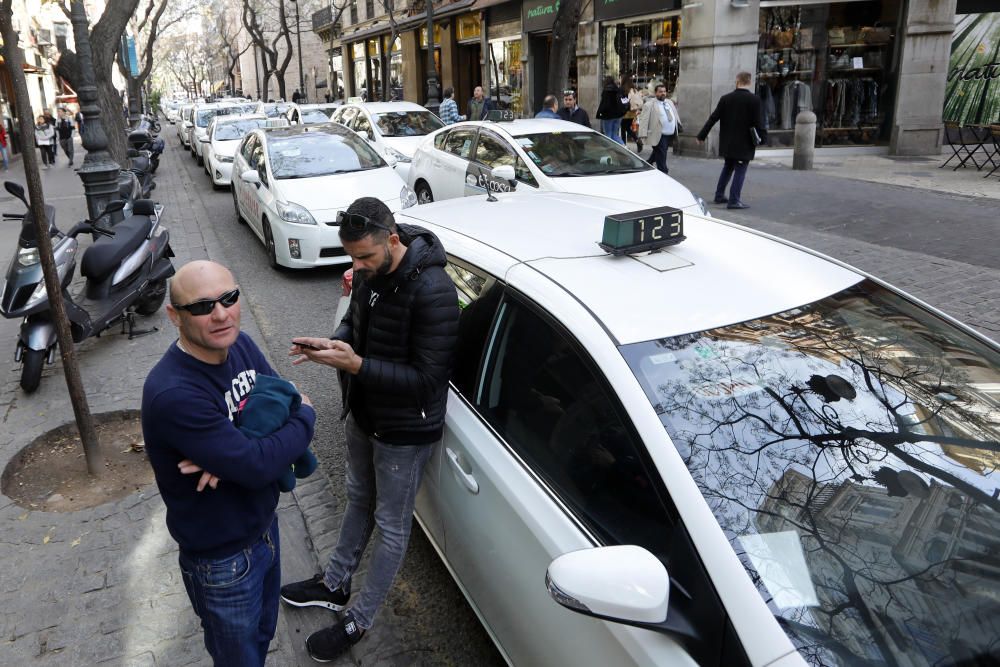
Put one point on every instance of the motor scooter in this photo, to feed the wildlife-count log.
(126, 271)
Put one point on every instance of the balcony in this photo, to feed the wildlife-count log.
(323, 19)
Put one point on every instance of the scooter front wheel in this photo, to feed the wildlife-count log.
(31, 369)
(151, 300)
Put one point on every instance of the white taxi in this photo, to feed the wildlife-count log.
(290, 183)
(395, 129)
(220, 142)
(546, 155)
(310, 114)
(184, 122)
(727, 451)
(201, 116)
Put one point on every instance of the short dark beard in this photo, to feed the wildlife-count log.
(384, 268)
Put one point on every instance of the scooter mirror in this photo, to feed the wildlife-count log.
(14, 189)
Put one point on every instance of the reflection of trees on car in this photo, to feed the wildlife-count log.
(868, 432)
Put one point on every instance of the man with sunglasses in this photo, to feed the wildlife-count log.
(393, 351)
(223, 519)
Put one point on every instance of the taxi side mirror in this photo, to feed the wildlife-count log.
(366, 135)
(250, 176)
(622, 584)
(504, 172)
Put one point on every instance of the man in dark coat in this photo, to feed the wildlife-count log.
(395, 347)
(572, 111)
(740, 115)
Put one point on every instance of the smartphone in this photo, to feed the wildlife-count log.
(305, 346)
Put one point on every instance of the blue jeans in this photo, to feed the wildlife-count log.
(236, 598)
(382, 482)
(738, 170)
(612, 128)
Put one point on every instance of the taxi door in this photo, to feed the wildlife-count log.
(493, 151)
(446, 175)
(242, 191)
(522, 441)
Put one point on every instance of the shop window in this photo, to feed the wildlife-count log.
(646, 50)
(506, 74)
(833, 59)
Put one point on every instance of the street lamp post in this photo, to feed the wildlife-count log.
(298, 41)
(433, 103)
(99, 172)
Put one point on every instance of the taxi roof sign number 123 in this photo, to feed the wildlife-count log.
(639, 231)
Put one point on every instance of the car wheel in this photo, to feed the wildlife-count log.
(424, 194)
(272, 255)
(31, 369)
(236, 205)
(200, 158)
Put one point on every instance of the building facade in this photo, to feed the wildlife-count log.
(873, 71)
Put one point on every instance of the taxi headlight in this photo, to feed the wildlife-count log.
(291, 212)
(27, 256)
(407, 197)
(396, 155)
(224, 158)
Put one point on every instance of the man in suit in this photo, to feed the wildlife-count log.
(739, 114)
(657, 123)
(478, 105)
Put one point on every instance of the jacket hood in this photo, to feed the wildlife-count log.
(423, 250)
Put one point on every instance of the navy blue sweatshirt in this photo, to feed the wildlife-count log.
(190, 410)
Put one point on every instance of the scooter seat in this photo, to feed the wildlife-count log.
(106, 254)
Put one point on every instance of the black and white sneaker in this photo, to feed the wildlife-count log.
(330, 643)
(314, 593)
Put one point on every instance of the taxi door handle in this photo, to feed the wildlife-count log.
(463, 475)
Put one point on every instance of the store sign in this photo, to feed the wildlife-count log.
(539, 15)
(972, 95)
(605, 10)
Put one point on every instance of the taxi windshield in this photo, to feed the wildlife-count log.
(579, 154)
(407, 123)
(850, 450)
(273, 110)
(205, 115)
(236, 129)
(316, 116)
(314, 154)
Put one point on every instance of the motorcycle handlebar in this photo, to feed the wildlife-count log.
(14, 216)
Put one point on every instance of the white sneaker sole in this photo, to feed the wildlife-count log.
(315, 603)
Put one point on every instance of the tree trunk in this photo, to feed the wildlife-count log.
(563, 48)
(113, 118)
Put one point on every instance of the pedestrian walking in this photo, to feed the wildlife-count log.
(64, 128)
(223, 519)
(613, 105)
(297, 96)
(3, 145)
(550, 108)
(658, 122)
(741, 129)
(54, 146)
(478, 105)
(78, 117)
(449, 107)
(635, 101)
(572, 111)
(44, 136)
(394, 352)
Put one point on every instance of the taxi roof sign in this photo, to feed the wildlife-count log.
(639, 231)
(500, 116)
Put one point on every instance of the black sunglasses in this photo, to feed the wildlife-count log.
(569, 93)
(357, 222)
(206, 306)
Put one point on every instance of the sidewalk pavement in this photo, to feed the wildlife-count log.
(102, 586)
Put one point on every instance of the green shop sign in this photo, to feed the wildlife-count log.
(972, 96)
(605, 10)
(539, 15)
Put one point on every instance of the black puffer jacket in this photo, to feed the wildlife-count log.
(405, 326)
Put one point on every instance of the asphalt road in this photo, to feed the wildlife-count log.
(434, 619)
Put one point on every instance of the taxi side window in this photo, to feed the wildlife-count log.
(492, 152)
(478, 297)
(257, 162)
(248, 146)
(550, 405)
(347, 116)
(459, 142)
(361, 124)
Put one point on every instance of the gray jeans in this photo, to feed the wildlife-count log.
(382, 482)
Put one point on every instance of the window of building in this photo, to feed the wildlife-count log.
(506, 74)
(646, 50)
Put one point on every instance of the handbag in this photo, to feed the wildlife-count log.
(876, 35)
(805, 38)
(835, 36)
(784, 38)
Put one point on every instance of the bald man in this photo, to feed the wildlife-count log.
(219, 484)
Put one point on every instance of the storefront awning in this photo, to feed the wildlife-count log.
(409, 22)
(480, 5)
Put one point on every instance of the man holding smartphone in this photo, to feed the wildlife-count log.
(393, 351)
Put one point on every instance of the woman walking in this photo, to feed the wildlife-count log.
(45, 136)
(634, 107)
(611, 110)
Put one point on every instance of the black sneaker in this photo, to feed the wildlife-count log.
(314, 593)
(332, 642)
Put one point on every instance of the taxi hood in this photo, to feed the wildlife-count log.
(405, 145)
(323, 196)
(646, 188)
